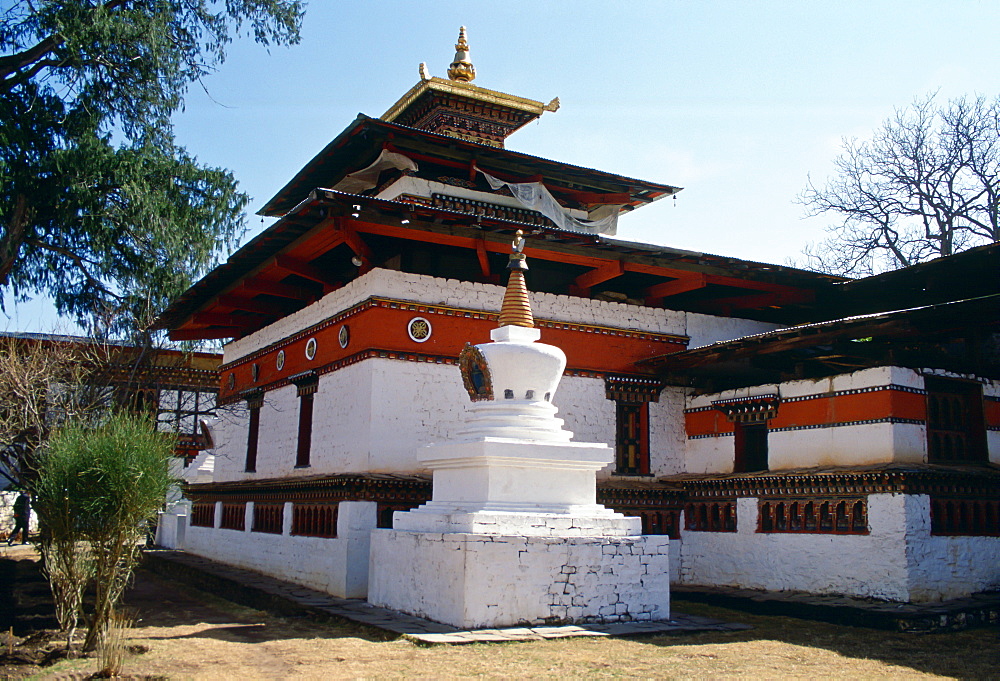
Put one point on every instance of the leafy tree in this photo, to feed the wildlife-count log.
(99, 206)
(96, 489)
(927, 184)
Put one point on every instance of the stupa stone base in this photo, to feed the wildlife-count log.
(476, 581)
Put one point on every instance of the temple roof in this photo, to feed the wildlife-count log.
(360, 144)
(312, 250)
(958, 336)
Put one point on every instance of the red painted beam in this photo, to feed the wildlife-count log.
(218, 319)
(248, 305)
(655, 294)
(303, 269)
(281, 290)
(205, 334)
(598, 275)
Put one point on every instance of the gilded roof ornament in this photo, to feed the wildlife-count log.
(462, 69)
(515, 310)
(424, 73)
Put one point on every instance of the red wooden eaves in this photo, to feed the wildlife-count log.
(606, 272)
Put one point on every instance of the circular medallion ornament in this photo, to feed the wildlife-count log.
(255, 371)
(280, 361)
(231, 382)
(344, 337)
(311, 348)
(419, 329)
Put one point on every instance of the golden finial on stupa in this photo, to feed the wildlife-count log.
(462, 69)
(515, 309)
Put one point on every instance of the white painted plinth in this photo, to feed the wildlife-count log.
(516, 474)
(478, 581)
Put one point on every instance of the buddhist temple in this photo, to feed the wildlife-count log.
(783, 429)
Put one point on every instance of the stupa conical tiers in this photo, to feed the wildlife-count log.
(513, 534)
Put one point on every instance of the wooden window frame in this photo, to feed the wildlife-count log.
(254, 404)
(306, 387)
(631, 416)
(945, 436)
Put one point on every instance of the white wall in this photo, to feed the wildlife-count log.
(947, 567)
(707, 329)
(803, 562)
(337, 566)
(667, 439)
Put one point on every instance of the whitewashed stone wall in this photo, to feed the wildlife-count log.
(337, 566)
(667, 439)
(941, 568)
(898, 561)
(816, 563)
(453, 577)
(705, 329)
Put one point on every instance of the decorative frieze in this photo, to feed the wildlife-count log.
(749, 409)
(632, 388)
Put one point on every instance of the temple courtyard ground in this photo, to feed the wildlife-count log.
(183, 633)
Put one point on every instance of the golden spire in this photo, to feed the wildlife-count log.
(515, 309)
(462, 69)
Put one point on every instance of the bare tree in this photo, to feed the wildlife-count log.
(39, 386)
(927, 184)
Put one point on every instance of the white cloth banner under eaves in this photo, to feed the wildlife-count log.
(534, 196)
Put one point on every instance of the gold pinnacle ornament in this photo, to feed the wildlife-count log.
(515, 309)
(462, 69)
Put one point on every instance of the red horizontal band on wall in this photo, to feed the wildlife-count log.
(992, 413)
(379, 324)
(829, 410)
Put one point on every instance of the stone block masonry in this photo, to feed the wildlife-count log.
(476, 580)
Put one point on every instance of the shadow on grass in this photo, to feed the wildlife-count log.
(967, 654)
(163, 602)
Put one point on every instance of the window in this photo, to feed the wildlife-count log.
(233, 516)
(307, 386)
(253, 434)
(751, 447)
(314, 520)
(179, 410)
(268, 517)
(956, 424)
(203, 514)
(632, 396)
(632, 440)
(749, 416)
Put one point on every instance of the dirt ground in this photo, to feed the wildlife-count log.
(185, 634)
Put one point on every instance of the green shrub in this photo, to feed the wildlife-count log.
(97, 487)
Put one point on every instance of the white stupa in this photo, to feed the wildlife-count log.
(513, 533)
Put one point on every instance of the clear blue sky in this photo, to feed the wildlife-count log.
(737, 102)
